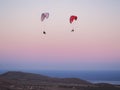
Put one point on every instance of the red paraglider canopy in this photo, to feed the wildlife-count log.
(72, 18)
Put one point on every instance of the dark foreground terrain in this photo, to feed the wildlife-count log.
(29, 81)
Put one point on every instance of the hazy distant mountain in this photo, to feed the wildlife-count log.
(22, 76)
(28, 81)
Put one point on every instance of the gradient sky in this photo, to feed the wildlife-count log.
(95, 44)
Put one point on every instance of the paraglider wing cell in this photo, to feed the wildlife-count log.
(47, 15)
(42, 16)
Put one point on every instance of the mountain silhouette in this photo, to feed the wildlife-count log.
(15, 80)
(22, 76)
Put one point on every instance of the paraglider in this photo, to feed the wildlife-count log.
(43, 17)
(72, 19)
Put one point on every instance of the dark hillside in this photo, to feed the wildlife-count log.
(29, 81)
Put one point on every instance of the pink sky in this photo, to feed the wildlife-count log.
(95, 44)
